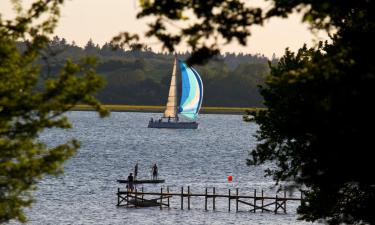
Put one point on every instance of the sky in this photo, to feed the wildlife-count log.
(100, 20)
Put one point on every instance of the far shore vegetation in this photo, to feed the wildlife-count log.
(151, 108)
(136, 76)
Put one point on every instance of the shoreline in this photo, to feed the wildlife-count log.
(160, 109)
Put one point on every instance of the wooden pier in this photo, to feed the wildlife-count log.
(254, 203)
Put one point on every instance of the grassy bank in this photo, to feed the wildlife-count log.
(148, 108)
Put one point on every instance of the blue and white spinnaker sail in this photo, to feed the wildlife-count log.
(192, 92)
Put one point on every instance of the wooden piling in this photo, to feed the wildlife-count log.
(161, 198)
(213, 199)
(255, 200)
(182, 198)
(276, 205)
(127, 198)
(188, 197)
(168, 195)
(262, 201)
(236, 199)
(135, 199)
(118, 196)
(284, 201)
(205, 200)
(228, 200)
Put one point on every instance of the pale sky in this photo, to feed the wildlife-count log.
(100, 20)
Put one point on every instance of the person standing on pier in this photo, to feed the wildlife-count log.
(155, 172)
(130, 182)
(136, 171)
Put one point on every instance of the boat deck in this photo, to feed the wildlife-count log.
(173, 125)
(142, 181)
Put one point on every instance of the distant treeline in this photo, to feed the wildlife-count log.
(141, 77)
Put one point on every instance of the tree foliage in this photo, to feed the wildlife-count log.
(215, 20)
(317, 128)
(316, 131)
(30, 103)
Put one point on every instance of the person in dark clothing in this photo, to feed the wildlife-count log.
(155, 172)
(130, 182)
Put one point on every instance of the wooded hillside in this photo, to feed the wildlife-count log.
(141, 76)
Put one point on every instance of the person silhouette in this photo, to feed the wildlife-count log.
(130, 182)
(155, 172)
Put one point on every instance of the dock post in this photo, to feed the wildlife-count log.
(135, 197)
(142, 193)
(168, 195)
(161, 198)
(118, 196)
(285, 201)
(276, 205)
(188, 197)
(228, 200)
(255, 200)
(236, 199)
(262, 201)
(182, 198)
(127, 197)
(205, 201)
(213, 199)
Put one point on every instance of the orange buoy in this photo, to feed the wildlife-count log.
(230, 178)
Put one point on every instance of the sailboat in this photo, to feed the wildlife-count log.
(190, 101)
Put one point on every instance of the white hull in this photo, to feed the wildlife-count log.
(173, 125)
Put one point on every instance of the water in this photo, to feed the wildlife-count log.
(86, 192)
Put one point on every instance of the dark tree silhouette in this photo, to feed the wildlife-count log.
(30, 103)
(318, 124)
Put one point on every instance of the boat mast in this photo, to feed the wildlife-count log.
(171, 108)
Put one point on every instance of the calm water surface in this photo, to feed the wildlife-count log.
(86, 193)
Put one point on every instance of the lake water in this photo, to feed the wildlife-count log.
(86, 192)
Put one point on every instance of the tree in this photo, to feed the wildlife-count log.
(318, 122)
(318, 134)
(318, 125)
(91, 48)
(27, 108)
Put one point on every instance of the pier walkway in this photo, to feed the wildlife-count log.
(257, 202)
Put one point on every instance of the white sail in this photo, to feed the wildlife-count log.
(171, 109)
